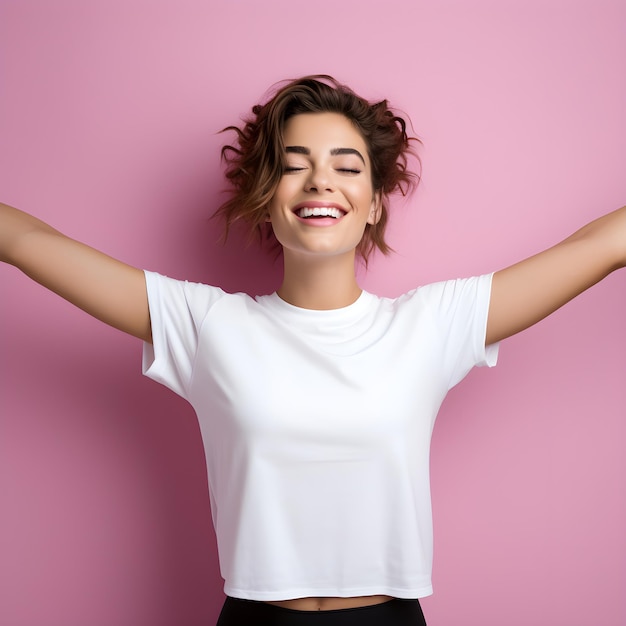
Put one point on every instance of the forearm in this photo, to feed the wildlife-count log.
(607, 236)
(15, 227)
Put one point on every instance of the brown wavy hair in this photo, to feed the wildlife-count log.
(254, 165)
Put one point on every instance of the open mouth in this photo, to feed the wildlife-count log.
(320, 211)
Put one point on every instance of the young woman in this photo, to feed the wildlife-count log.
(316, 403)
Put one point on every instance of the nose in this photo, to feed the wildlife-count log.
(319, 180)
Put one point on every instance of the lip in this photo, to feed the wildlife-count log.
(311, 204)
(319, 221)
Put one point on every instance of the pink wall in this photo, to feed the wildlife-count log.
(108, 120)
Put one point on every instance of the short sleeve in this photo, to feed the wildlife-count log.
(177, 311)
(461, 308)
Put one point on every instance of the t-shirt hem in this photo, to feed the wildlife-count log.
(326, 592)
(489, 353)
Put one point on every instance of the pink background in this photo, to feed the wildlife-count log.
(108, 120)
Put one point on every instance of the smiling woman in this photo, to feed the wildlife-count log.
(256, 164)
(317, 402)
(323, 202)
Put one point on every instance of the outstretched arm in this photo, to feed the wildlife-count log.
(100, 285)
(530, 290)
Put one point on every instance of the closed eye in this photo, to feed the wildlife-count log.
(347, 170)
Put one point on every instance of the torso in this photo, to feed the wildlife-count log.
(346, 437)
(330, 604)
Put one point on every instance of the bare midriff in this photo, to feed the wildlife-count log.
(330, 604)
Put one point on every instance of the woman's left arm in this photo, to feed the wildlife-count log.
(528, 291)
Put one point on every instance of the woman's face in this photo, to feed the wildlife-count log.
(325, 197)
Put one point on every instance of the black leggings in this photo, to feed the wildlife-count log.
(395, 612)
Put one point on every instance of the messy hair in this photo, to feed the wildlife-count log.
(255, 163)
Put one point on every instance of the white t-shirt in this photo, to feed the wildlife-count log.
(316, 427)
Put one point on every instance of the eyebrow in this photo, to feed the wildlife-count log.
(333, 152)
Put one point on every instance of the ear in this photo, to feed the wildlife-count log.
(376, 208)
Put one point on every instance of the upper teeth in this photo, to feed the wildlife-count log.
(320, 210)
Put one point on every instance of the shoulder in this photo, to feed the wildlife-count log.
(164, 291)
(446, 293)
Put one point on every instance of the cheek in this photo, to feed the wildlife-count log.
(365, 196)
(282, 194)
(278, 199)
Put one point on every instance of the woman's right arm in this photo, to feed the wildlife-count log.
(100, 285)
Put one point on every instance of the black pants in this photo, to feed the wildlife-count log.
(396, 612)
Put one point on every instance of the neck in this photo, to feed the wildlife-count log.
(320, 284)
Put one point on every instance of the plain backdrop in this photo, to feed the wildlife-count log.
(109, 120)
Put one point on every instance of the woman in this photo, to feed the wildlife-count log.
(316, 403)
